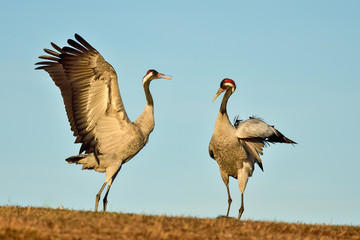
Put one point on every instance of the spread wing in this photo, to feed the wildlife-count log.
(254, 134)
(89, 88)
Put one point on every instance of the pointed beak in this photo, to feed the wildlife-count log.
(218, 93)
(164, 76)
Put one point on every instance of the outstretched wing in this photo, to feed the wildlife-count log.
(88, 86)
(254, 134)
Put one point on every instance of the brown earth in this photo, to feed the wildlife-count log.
(45, 223)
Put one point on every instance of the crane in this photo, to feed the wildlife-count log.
(236, 148)
(95, 110)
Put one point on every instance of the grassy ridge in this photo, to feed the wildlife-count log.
(44, 223)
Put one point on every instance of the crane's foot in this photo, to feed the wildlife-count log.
(241, 210)
(229, 204)
(97, 199)
(224, 217)
(105, 203)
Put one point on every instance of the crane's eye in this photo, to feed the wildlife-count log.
(155, 73)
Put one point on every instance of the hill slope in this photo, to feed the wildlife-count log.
(45, 223)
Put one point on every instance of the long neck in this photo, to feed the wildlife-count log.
(224, 101)
(149, 99)
(146, 120)
(223, 118)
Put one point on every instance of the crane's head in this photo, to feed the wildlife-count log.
(153, 74)
(225, 85)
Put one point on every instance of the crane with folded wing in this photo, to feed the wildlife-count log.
(236, 148)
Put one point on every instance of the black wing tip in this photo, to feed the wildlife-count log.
(72, 41)
(56, 47)
(51, 52)
(288, 140)
(237, 121)
(257, 118)
(81, 39)
(67, 49)
(44, 65)
(292, 142)
(69, 41)
(261, 166)
(283, 139)
(84, 42)
(280, 138)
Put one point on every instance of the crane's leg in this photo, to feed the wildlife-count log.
(225, 178)
(229, 200)
(98, 196)
(241, 210)
(105, 198)
(107, 191)
(243, 176)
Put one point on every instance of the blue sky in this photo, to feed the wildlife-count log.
(295, 63)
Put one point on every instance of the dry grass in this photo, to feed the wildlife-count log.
(44, 223)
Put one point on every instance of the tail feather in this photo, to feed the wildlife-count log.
(87, 160)
(75, 159)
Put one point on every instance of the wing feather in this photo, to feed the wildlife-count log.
(57, 48)
(76, 45)
(51, 52)
(72, 51)
(254, 128)
(89, 89)
(254, 134)
(56, 72)
(112, 135)
(49, 58)
(85, 43)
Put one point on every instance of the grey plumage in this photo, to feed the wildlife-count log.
(95, 110)
(236, 148)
